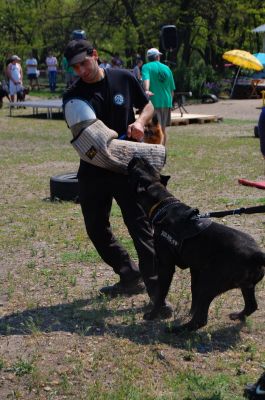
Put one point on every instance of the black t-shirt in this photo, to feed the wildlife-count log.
(113, 100)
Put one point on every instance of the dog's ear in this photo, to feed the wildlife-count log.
(132, 163)
(164, 179)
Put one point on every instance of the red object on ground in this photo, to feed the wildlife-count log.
(259, 185)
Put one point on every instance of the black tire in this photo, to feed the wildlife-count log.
(64, 187)
(256, 131)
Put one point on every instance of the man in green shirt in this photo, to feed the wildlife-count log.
(159, 85)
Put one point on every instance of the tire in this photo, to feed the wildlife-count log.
(256, 131)
(64, 187)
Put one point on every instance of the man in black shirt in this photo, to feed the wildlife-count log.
(113, 93)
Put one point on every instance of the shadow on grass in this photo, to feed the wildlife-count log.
(100, 319)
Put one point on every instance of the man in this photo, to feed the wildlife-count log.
(51, 62)
(261, 126)
(32, 71)
(137, 69)
(159, 85)
(113, 93)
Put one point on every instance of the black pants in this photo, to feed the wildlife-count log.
(96, 196)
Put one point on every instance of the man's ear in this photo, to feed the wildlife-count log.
(164, 179)
(95, 54)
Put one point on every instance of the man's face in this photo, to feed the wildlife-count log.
(88, 69)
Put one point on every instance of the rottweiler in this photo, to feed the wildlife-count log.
(220, 258)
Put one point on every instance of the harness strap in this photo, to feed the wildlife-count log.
(163, 205)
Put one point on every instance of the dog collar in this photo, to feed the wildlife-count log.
(153, 215)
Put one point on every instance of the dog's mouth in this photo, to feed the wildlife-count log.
(148, 132)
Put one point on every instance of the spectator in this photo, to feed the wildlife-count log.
(159, 85)
(104, 64)
(116, 61)
(51, 62)
(113, 94)
(15, 76)
(137, 69)
(32, 71)
(262, 132)
(69, 74)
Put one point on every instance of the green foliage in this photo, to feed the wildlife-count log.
(194, 78)
(204, 27)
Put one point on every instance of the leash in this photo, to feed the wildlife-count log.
(236, 211)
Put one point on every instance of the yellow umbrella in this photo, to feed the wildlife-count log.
(243, 59)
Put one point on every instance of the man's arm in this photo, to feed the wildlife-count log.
(146, 84)
(136, 129)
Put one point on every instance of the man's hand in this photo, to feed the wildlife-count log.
(136, 131)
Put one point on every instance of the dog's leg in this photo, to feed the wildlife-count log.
(165, 275)
(194, 290)
(250, 304)
(199, 319)
(207, 290)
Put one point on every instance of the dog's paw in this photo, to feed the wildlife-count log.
(149, 316)
(179, 329)
(237, 316)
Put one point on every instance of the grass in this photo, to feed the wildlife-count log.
(59, 340)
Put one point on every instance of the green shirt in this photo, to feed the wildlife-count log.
(161, 83)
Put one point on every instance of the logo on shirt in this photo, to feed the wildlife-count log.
(162, 76)
(118, 99)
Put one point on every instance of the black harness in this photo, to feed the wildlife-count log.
(175, 222)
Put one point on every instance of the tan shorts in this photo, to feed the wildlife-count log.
(164, 116)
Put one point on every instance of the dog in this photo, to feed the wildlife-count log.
(21, 95)
(220, 258)
(153, 133)
(3, 93)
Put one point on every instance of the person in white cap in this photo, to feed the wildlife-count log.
(159, 85)
(15, 76)
(111, 94)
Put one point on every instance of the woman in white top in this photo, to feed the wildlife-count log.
(15, 76)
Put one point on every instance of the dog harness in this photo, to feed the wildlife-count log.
(175, 222)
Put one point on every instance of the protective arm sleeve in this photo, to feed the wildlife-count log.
(98, 145)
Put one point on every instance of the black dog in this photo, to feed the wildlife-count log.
(21, 95)
(220, 258)
(3, 93)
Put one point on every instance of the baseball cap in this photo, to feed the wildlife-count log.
(153, 52)
(77, 50)
(14, 57)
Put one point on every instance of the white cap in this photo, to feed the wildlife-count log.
(14, 57)
(153, 52)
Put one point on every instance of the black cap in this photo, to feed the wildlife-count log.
(77, 50)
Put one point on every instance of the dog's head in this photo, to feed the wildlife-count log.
(153, 132)
(142, 175)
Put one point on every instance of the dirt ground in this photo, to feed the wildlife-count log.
(246, 109)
